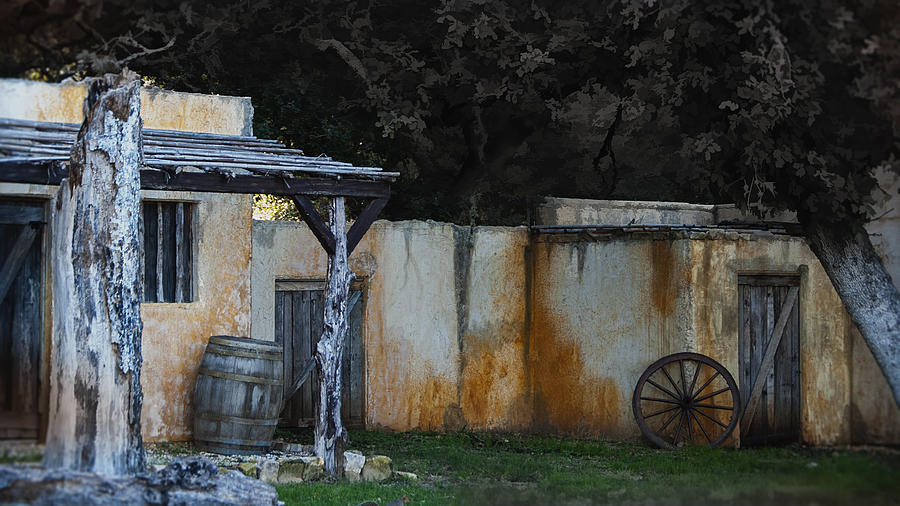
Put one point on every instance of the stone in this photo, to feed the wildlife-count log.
(315, 468)
(298, 448)
(249, 469)
(353, 465)
(377, 468)
(268, 470)
(193, 480)
(407, 476)
(291, 471)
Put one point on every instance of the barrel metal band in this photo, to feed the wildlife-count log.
(219, 350)
(236, 419)
(241, 442)
(240, 377)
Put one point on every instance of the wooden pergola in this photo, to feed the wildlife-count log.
(42, 153)
(38, 153)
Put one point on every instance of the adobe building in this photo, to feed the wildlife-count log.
(539, 328)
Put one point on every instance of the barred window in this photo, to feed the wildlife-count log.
(168, 255)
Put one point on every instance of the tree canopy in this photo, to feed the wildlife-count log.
(483, 104)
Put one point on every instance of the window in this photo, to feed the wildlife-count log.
(168, 255)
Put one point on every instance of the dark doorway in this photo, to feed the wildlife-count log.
(763, 299)
(21, 317)
(299, 310)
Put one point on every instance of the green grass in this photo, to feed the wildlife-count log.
(489, 468)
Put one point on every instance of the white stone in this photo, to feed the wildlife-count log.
(353, 465)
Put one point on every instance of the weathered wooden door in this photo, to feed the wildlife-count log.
(21, 317)
(298, 326)
(763, 300)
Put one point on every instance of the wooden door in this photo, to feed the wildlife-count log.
(299, 312)
(21, 318)
(776, 417)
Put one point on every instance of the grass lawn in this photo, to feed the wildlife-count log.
(489, 468)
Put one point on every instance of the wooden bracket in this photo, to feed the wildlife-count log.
(315, 222)
(362, 224)
(768, 360)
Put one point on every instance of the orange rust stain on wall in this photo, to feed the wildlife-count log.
(663, 282)
(478, 380)
(566, 397)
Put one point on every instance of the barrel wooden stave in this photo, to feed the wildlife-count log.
(237, 397)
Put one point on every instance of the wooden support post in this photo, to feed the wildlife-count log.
(330, 434)
(95, 390)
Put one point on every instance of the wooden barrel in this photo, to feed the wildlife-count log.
(237, 397)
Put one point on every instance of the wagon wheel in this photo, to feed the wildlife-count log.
(686, 398)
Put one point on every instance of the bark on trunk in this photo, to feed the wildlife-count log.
(331, 437)
(95, 390)
(866, 289)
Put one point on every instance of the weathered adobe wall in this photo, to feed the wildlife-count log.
(484, 328)
(174, 335)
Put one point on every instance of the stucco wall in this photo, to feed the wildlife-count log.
(491, 327)
(174, 335)
(167, 110)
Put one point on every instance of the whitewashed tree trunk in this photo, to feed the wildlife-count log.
(865, 288)
(331, 437)
(95, 390)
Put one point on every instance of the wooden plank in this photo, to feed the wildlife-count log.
(16, 258)
(150, 225)
(187, 260)
(768, 280)
(289, 350)
(356, 360)
(168, 250)
(160, 233)
(27, 334)
(52, 172)
(179, 252)
(782, 370)
(279, 320)
(315, 222)
(757, 344)
(745, 369)
(363, 222)
(17, 214)
(769, 390)
(769, 356)
(300, 405)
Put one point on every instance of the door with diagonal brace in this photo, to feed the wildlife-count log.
(769, 344)
(21, 317)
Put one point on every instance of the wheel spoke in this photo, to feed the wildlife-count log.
(694, 381)
(713, 406)
(708, 439)
(657, 399)
(659, 412)
(717, 392)
(666, 424)
(713, 419)
(683, 384)
(678, 427)
(687, 415)
(664, 389)
(710, 380)
(671, 381)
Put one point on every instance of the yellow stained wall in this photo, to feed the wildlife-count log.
(493, 328)
(174, 335)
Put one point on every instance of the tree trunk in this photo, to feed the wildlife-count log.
(330, 434)
(865, 288)
(95, 390)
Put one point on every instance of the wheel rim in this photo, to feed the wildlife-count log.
(686, 398)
